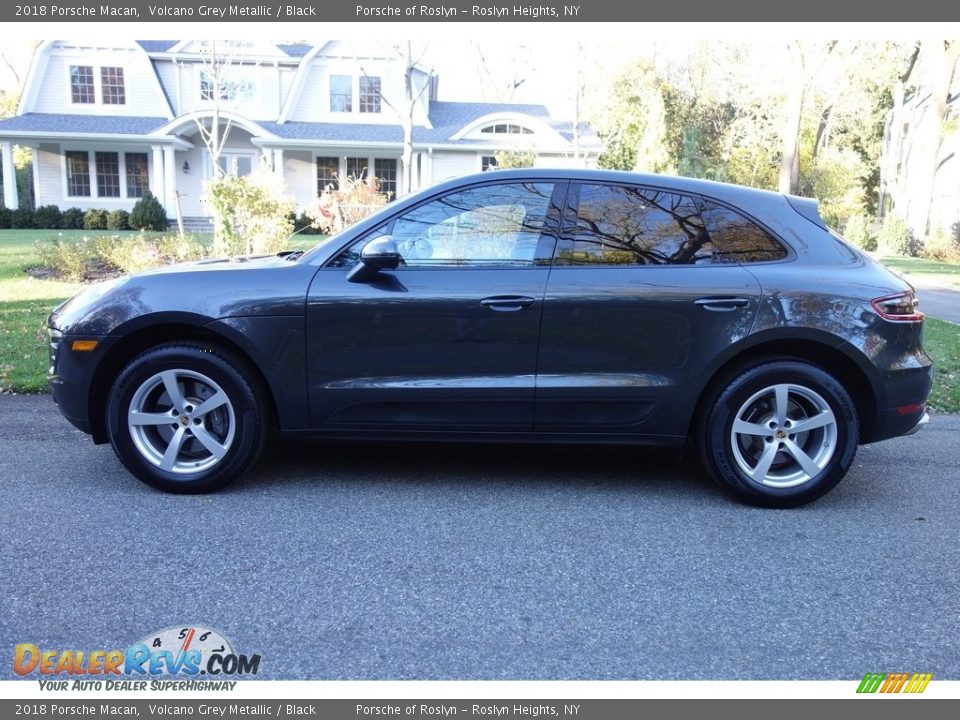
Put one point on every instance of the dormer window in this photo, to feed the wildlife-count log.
(369, 94)
(507, 129)
(81, 84)
(112, 89)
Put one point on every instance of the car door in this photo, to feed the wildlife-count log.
(448, 340)
(638, 306)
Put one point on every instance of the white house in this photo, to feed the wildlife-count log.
(106, 121)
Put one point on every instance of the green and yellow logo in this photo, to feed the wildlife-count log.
(894, 682)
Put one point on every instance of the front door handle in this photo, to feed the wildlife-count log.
(507, 303)
(722, 304)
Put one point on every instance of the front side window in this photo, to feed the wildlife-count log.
(328, 168)
(489, 225)
(737, 239)
(138, 177)
(111, 86)
(369, 94)
(385, 170)
(81, 84)
(108, 174)
(78, 173)
(627, 225)
(341, 93)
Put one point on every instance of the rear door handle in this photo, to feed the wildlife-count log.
(507, 303)
(722, 304)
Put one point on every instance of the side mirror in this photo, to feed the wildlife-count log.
(379, 254)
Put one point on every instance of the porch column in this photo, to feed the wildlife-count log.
(169, 182)
(427, 178)
(156, 173)
(9, 176)
(35, 167)
(278, 161)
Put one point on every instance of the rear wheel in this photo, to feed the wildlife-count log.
(781, 434)
(185, 418)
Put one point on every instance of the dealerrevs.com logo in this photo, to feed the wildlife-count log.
(187, 651)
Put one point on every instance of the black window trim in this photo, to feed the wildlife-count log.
(569, 218)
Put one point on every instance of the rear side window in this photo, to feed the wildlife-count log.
(627, 225)
(737, 239)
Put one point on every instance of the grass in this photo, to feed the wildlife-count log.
(934, 270)
(941, 340)
(26, 301)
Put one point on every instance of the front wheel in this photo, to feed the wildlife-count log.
(185, 418)
(781, 434)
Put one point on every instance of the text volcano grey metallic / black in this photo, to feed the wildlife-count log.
(525, 305)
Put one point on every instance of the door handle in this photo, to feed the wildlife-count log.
(722, 304)
(507, 303)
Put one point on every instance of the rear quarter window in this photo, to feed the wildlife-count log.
(736, 238)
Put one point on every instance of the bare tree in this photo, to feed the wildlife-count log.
(219, 84)
(405, 110)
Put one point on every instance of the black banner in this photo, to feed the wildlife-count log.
(483, 11)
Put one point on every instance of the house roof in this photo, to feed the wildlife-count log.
(82, 124)
(447, 119)
(157, 46)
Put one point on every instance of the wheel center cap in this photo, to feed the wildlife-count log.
(184, 420)
(781, 434)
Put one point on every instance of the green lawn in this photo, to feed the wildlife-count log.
(940, 272)
(25, 303)
(941, 340)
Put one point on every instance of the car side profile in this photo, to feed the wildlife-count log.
(569, 306)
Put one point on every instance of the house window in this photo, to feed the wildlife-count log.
(385, 170)
(369, 94)
(138, 178)
(356, 167)
(78, 173)
(341, 93)
(233, 86)
(108, 174)
(111, 86)
(81, 84)
(507, 129)
(236, 164)
(488, 162)
(328, 168)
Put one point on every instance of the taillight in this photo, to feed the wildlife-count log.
(901, 307)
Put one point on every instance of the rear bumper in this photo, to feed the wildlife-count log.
(920, 423)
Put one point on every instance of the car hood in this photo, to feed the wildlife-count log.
(194, 293)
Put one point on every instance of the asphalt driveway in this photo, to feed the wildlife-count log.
(462, 562)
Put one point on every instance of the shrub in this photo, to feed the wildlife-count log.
(5, 217)
(942, 245)
(148, 214)
(21, 218)
(303, 224)
(118, 220)
(68, 259)
(251, 214)
(857, 231)
(95, 219)
(72, 219)
(340, 208)
(895, 237)
(47, 216)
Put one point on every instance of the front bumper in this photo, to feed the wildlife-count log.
(70, 377)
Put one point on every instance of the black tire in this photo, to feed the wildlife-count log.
(761, 461)
(218, 431)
